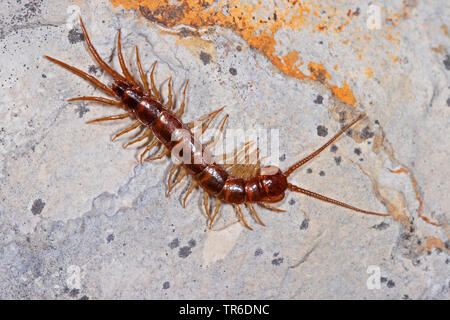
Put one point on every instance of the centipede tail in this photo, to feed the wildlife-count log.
(232, 183)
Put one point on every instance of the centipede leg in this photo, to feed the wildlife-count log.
(206, 204)
(253, 211)
(169, 101)
(169, 179)
(268, 206)
(141, 71)
(115, 117)
(97, 99)
(83, 75)
(216, 211)
(183, 102)
(132, 127)
(208, 118)
(96, 56)
(152, 79)
(191, 188)
(235, 155)
(212, 143)
(160, 156)
(180, 178)
(122, 61)
(147, 133)
(152, 144)
(241, 216)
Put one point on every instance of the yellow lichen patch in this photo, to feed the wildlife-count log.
(257, 23)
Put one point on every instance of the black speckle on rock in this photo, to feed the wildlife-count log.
(305, 224)
(277, 262)
(81, 110)
(319, 99)
(84, 298)
(166, 285)
(275, 254)
(448, 102)
(309, 170)
(357, 11)
(338, 160)
(366, 134)
(390, 284)
(233, 71)
(75, 36)
(74, 292)
(321, 173)
(44, 76)
(110, 238)
(192, 243)
(37, 207)
(322, 131)
(381, 226)
(357, 151)
(405, 297)
(184, 252)
(333, 148)
(447, 244)
(283, 157)
(259, 252)
(205, 57)
(291, 202)
(239, 48)
(174, 244)
(93, 69)
(383, 279)
(447, 62)
(349, 132)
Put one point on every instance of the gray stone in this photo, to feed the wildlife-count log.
(80, 218)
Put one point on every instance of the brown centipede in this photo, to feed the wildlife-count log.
(161, 123)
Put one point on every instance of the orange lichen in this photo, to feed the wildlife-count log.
(318, 72)
(432, 242)
(256, 24)
(444, 28)
(344, 93)
(405, 169)
(369, 72)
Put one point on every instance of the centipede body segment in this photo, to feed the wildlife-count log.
(164, 129)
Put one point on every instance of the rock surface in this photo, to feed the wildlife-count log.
(81, 219)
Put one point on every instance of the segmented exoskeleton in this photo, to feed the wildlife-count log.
(143, 102)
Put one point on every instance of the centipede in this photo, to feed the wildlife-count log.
(163, 128)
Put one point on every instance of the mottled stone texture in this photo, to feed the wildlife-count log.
(81, 219)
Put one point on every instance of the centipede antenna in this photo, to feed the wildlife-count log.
(335, 202)
(300, 163)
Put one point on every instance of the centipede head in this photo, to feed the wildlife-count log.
(120, 87)
(274, 182)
